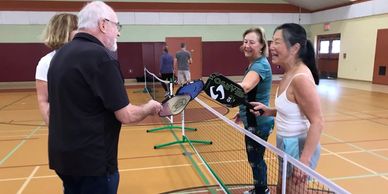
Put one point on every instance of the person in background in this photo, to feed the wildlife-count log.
(257, 83)
(58, 31)
(299, 118)
(166, 68)
(183, 61)
(88, 104)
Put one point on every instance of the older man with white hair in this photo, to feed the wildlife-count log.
(88, 104)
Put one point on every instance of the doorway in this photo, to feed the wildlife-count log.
(194, 45)
(380, 74)
(327, 54)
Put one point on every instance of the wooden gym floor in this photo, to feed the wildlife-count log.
(354, 144)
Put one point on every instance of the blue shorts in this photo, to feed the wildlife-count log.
(294, 147)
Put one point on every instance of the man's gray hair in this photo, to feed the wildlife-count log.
(94, 11)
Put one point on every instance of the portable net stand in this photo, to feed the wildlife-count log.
(170, 119)
(187, 89)
(184, 137)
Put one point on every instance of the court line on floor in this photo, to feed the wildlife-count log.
(23, 123)
(359, 176)
(17, 139)
(15, 101)
(355, 146)
(358, 141)
(121, 170)
(356, 164)
(28, 180)
(179, 154)
(358, 148)
(6, 157)
(356, 151)
(185, 165)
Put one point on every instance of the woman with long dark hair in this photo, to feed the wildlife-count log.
(299, 118)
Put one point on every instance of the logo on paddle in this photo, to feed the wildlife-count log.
(218, 92)
(225, 91)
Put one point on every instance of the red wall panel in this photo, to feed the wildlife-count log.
(226, 58)
(19, 60)
(223, 57)
(131, 60)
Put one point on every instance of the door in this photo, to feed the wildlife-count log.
(194, 45)
(327, 54)
(380, 75)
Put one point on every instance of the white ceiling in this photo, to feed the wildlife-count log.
(313, 5)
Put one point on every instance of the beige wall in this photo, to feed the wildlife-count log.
(142, 33)
(358, 41)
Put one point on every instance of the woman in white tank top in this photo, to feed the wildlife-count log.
(299, 119)
(60, 30)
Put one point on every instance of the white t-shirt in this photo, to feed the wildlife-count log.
(43, 66)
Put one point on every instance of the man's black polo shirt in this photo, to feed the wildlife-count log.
(85, 87)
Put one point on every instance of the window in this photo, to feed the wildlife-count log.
(335, 46)
(329, 46)
(324, 47)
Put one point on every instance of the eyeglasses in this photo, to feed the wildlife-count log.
(118, 25)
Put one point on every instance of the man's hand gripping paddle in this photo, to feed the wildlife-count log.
(176, 104)
(226, 92)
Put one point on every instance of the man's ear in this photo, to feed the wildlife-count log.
(102, 26)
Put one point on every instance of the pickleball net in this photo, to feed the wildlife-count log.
(225, 161)
(153, 86)
(154, 89)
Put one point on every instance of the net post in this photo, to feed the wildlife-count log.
(170, 85)
(284, 173)
(145, 80)
(153, 86)
(183, 124)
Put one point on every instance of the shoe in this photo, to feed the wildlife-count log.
(252, 191)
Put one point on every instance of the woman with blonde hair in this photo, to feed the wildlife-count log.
(257, 84)
(60, 30)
